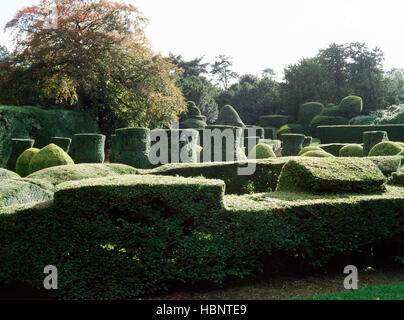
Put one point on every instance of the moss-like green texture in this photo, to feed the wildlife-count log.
(228, 116)
(276, 121)
(23, 161)
(317, 154)
(387, 164)
(372, 138)
(14, 192)
(308, 111)
(40, 125)
(351, 150)
(321, 120)
(250, 143)
(275, 144)
(60, 174)
(333, 148)
(7, 174)
(18, 146)
(62, 142)
(331, 175)
(193, 123)
(264, 178)
(397, 178)
(49, 156)
(290, 128)
(386, 148)
(262, 151)
(88, 148)
(351, 106)
(309, 148)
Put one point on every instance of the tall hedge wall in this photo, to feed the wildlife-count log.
(353, 134)
(41, 125)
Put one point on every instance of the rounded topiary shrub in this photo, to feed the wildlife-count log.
(318, 154)
(352, 150)
(133, 147)
(276, 121)
(372, 138)
(351, 106)
(292, 144)
(49, 156)
(386, 148)
(62, 142)
(250, 143)
(308, 111)
(23, 161)
(262, 151)
(331, 111)
(88, 148)
(18, 146)
(192, 123)
(309, 148)
(228, 116)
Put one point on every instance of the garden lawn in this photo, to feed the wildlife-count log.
(393, 291)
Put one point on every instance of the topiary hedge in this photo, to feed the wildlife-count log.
(262, 151)
(7, 174)
(308, 111)
(292, 144)
(23, 161)
(387, 164)
(41, 125)
(62, 142)
(333, 148)
(18, 146)
(386, 148)
(228, 116)
(88, 148)
(317, 154)
(331, 175)
(309, 148)
(354, 134)
(372, 138)
(276, 121)
(351, 106)
(49, 156)
(321, 121)
(351, 150)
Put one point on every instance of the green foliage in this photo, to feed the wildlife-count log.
(308, 111)
(397, 178)
(88, 148)
(290, 128)
(372, 138)
(228, 116)
(62, 142)
(14, 192)
(60, 174)
(352, 150)
(333, 148)
(317, 154)
(312, 175)
(386, 148)
(23, 161)
(192, 123)
(276, 121)
(263, 179)
(18, 146)
(387, 164)
(39, 124)
(262, 151)
(292, 144)
(309, 148)
(354, 134)
(325, 121)
(351, 106)
(270, 133)
(7, 174)
(49, 156)
(363, 120)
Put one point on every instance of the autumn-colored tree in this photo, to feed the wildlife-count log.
(94, 55)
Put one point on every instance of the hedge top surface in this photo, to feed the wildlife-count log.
(7, 174)
(49, 156)
(317, 154)
(331, 175)
(60, 174)
(386, 148)
(309, 148)
(351, 150)
(138, 132)
(351, 106)
(229, 116)
(262, 151)
(23, 161)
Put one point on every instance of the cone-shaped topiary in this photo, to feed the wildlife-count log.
(386, 148)
(352, 150)
(229, 117)
(372, 138)
(62, 142)
(261, 151)
(88, 148)
(292, 144)
(22, 164)
(49, 156)
(351, 106)
(309, 148)
(18, 146)
(318, 154)
(308, 111)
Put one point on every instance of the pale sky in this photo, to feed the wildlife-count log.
(261, 33)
